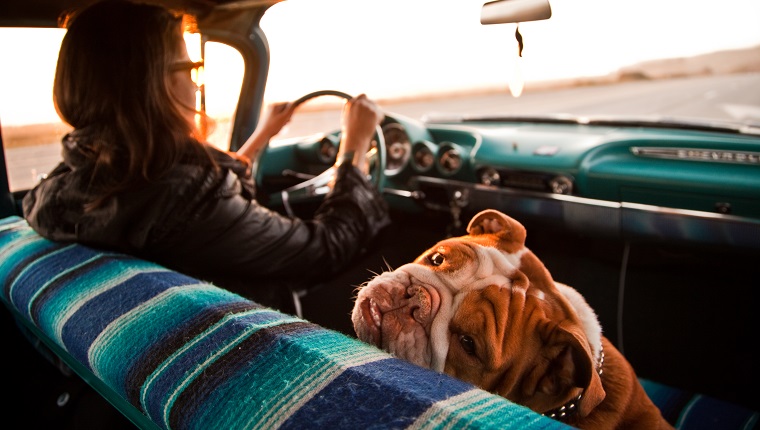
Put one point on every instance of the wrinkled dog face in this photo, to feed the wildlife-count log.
(407, 311)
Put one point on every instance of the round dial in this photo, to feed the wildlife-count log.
(450, 160)
(423, 158)
(398, 146)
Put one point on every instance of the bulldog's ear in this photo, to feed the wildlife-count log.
(491, 221)
(573, 367)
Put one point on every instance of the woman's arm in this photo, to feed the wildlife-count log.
(275, 118)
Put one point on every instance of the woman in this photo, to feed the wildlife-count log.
(137, 178)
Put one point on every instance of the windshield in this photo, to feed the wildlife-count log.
(675, 61)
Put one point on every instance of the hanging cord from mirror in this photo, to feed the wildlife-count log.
(519, 38)
(516, 82)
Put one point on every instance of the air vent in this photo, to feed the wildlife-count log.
(526, 180)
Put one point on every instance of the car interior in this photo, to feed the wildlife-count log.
(656, 222)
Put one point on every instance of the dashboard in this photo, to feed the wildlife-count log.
(612, 178)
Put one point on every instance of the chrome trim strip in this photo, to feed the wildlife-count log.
(683, 212)
(698, 154)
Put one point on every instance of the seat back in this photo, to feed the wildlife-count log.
(170, 351)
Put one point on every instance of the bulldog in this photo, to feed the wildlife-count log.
(483, 308)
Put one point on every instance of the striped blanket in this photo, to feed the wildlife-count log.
(172, 352)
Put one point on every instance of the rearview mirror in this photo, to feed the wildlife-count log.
(509, 11)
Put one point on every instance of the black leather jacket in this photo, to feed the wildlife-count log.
(208, 224)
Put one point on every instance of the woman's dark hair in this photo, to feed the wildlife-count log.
(112, 79)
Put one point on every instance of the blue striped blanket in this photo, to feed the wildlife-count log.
(173, 352)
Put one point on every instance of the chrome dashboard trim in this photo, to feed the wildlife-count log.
(698, 154)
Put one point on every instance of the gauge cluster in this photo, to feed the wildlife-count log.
(458, 154)
(421, 155)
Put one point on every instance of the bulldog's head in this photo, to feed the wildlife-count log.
(483, 308)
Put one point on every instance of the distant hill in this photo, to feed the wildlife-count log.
(715, 63)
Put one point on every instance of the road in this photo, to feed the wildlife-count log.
(728, 97)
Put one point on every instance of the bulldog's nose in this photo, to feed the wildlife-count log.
(420, 305)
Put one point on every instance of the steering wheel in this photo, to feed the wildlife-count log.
(318, 186)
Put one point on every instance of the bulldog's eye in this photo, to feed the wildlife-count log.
(467, 344)
(436, 259)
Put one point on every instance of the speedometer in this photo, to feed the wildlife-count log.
(397, 146)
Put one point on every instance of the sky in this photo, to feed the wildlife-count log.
(390, 48)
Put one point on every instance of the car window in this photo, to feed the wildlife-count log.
(222, 76)
(31, 128)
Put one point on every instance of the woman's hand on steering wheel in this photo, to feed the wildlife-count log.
(359, 122)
